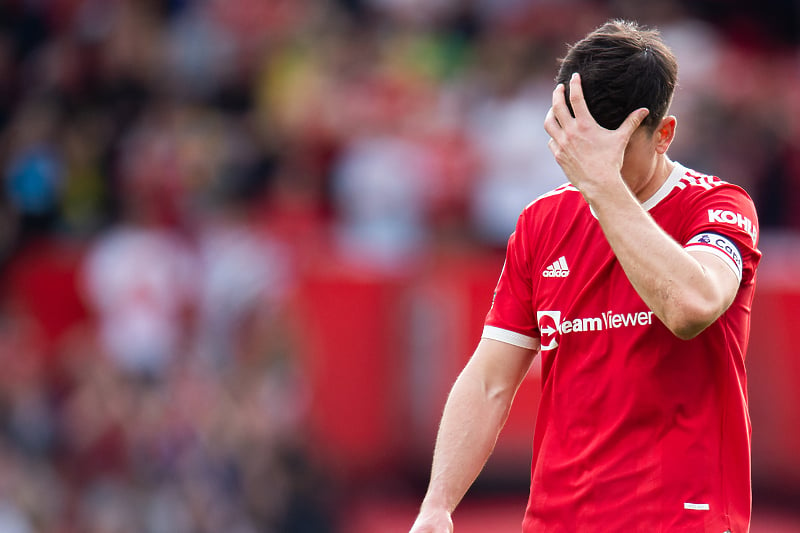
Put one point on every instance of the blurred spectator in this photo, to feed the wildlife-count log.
(244, 272)
(380, 192)
(140, 283)
(506, 124)
(34, 174)
(172, 169)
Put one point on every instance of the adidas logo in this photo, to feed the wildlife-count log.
(558, 269)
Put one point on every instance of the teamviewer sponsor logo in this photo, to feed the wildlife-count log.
(558, 269)
(549, 322)
(551, 325)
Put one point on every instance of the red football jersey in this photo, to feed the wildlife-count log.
(637, 430)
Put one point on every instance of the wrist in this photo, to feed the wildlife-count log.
(606, 192)
(433, 505)
(433, 521)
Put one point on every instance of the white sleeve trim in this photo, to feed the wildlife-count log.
(510, 337)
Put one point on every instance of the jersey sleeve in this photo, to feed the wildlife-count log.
(723, 222)
(511, 318)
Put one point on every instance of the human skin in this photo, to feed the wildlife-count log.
(615, 170)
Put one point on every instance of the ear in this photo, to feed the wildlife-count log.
(665, 133)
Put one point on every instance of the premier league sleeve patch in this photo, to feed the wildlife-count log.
(720, 246)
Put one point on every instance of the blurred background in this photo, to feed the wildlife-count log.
(247, 245)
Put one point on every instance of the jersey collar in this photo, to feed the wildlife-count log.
(672, 180)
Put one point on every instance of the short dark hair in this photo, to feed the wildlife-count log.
(623, 67)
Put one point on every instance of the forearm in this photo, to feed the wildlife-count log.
(687, 292)
(474, 414)
(472, 420)
(673, 283)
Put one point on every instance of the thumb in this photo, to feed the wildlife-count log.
(633, 121)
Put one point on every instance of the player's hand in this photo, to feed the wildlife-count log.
(589, 154)
(433, 521)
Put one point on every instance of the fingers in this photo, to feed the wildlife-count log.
(576, 98)
(633, 121)
(581, 109)
(551, 124)
(564, 130)
(560, 110)
(553, 129)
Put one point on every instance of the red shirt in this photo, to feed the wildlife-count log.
(637, 430)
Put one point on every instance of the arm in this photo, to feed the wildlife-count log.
(687, 291)
(476, 410)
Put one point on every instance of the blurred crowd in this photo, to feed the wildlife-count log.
(170, 168)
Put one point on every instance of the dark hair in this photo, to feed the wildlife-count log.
(623, 67)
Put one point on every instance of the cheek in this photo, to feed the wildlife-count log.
(631, 162)
(639, 158)
(637, 164)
